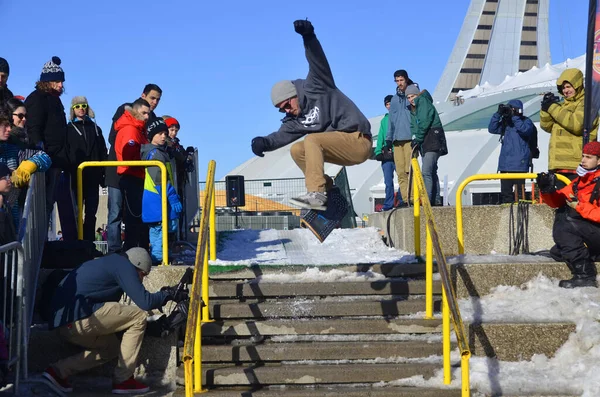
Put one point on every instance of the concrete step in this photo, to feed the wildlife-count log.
(327, 391)
(317, 308)
(397, 287)
(362, 326)
(310, 374)
(296, 351)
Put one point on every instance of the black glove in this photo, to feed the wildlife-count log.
(173, 294)
(388, 145)
(546, 182)
(379, 157)
(304, 27)
(259, 146)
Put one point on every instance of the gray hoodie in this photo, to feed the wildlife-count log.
(324, 107)
(399, 120)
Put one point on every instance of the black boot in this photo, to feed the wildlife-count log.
(584, 275)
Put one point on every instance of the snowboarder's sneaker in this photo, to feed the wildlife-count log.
(579, 281)
(311, 201)
(130, 386)
(56, 381)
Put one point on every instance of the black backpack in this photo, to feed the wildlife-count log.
(533, 144)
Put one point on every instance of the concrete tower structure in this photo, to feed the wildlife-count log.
(498, 38)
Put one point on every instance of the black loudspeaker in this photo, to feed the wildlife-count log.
(234, 185)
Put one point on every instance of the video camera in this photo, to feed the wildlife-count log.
(505, 111)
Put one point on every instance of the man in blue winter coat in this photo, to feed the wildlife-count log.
(515, 130)
(85, 311)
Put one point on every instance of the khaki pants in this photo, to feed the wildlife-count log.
(402, 153)
(97, 334)
(336, 147)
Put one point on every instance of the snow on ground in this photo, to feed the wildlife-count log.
(301, 247)
(316, 275)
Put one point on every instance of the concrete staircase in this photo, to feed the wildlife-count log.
(319, 338)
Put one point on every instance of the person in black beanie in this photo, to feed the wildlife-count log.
(5, 93)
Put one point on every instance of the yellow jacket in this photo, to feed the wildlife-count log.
(564, 122)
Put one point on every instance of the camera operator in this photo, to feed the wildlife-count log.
(86, 312)
(564, 122)
(515, 130)
(576, 229)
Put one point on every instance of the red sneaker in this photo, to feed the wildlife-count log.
(130, 386)
(61, 384)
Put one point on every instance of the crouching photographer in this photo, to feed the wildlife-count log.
(516, 137)
(85, 311)
(576, 229)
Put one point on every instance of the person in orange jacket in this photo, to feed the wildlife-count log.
(576, 229)
(130, 138)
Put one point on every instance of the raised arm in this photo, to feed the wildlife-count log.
(319, 72)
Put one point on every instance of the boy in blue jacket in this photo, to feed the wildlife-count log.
(151, 200)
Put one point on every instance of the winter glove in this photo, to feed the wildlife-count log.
(572, 201)
(21, 176)
(546, 182)
(304, 27)
(379, 157)
(259, 146)
(175, 203)
(388, 145)
(173, 294)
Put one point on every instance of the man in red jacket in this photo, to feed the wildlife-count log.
(576, 229)
(130, 137)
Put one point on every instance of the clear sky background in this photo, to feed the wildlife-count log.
(217, 60)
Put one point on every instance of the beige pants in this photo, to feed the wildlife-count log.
(336, 147)
(402, 153)
(97, 334)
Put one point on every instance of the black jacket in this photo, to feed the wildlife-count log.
(111, 176)
(7, 227)
(5, 95)
(47, 124)
(86, 143)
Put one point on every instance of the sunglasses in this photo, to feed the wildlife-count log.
(285, 107)
(80, 106)
(21, 116)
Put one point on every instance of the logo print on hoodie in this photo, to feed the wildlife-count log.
(312, 118)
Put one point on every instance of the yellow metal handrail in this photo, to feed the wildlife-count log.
(450, 308)
(142, 163)
(483, 177)
(192, 348)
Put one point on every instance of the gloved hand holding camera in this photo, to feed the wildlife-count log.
(546, 182)
(505, 111)
(548, 100)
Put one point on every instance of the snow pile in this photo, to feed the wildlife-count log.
(316, 275)
(300, 247)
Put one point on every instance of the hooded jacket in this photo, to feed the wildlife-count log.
(383, 127)
(323, 106)
(86, 143)
(564, 122)
(582, 188)
(151, 200)
(515, 155)
(129, 140)
(425, 125)
(400, 119)
(47, 125)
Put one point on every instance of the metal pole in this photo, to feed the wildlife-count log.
(465, 381)
(446, 338)
(428, 275)
(213, 229)
(205, 314)
(80, 202)
(416, 213)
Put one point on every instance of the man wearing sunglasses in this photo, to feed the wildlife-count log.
(334, 128)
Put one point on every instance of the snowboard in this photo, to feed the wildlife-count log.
(322, 223)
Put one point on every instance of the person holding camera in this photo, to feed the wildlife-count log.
(564, 122)
(515, 131)
(85, 311)
(386, 156)
(576, 229)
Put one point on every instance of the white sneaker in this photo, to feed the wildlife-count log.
(311, 201)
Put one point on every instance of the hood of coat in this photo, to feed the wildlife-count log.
(573, 76)
(130, 118)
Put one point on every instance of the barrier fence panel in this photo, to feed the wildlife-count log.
(102, 246)
(341, 181)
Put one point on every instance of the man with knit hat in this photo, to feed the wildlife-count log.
(86, 143)
(334, 129)
(5, 93)
(515, 131)
(576, 229)
(47, 127)
(151, 201)
(85, 311)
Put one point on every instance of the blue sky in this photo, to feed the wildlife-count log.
(216, 61)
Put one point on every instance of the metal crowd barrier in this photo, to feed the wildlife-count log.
(449, 304)
(102, 246)
(192, 349)
(482, 177)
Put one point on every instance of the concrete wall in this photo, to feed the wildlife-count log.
(486, 228)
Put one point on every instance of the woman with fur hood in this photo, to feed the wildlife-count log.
(86, 143)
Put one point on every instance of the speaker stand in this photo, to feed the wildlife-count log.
(236, 218)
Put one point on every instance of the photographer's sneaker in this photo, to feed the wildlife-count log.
(311, 201)
(130, 386)
(56, 381)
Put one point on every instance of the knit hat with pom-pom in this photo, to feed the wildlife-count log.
(52, 71)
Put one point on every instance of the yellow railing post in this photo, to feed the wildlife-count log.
(205, 314)
(213, 229)
(198, 356)
(446, 338)
(460, 238)
(465, 379)
(428, 275)
(133, 163)
(416, 213)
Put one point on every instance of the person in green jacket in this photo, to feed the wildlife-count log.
(386, 156)
(428, 135)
